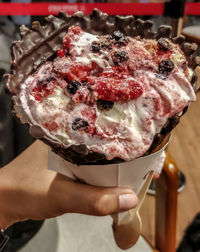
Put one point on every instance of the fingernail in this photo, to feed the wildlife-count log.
(127, 201)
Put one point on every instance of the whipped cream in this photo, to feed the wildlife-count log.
(126, 130)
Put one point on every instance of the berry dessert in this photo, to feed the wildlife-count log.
(106, 95)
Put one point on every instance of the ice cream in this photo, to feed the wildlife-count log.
(112, 93)
(103, 97)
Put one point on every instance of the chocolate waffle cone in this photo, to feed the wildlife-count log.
(40, 44)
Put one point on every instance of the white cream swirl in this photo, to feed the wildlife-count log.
(125, 131)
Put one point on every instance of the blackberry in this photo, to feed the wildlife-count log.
(117, 35)
(120, 56)
(122, 42)
(79, 124)
(44, 82)
(95, 47)
(106, 45)
(104, 105)
(73, 86)
(119, 38)
(165, 67)
(163, 44)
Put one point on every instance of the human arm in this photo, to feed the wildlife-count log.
(28, 190)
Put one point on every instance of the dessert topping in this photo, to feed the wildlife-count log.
(95, 47)
(166, 66)
(106, 45)
(61, 53)
(112, 86)
(163, 44)
(117, 35)
(160, 76)
(44, 82)
(73, 86)
(120, 56)
(119, 38)
(79, 124)
(125, 76)
(51, 126)
(122, 42)
(104, 105)
(43, 88)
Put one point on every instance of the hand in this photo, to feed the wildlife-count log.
(28, 190)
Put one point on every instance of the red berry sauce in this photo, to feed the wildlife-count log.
(51, 126)
(42, 91)
(113, 86)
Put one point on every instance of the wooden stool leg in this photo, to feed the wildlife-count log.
(166, 206)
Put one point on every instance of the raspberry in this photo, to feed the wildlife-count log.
(60, 53)
(66, 42)
(43, 88)
(90, 115)
(38, 97)
(71, 70)
(71, 36)
(75, 29)
(67, 45)
(113, 86)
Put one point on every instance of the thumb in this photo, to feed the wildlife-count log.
(86, 199)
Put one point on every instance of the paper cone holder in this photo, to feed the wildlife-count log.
(135, 174)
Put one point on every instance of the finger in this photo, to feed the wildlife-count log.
(81, 198)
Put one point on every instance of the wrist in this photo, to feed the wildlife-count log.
(7, 198)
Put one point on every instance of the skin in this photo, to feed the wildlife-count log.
(28, 190)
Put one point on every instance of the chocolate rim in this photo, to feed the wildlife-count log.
(28, 54)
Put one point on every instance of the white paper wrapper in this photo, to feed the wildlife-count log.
(128, 174)
(131, 174)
